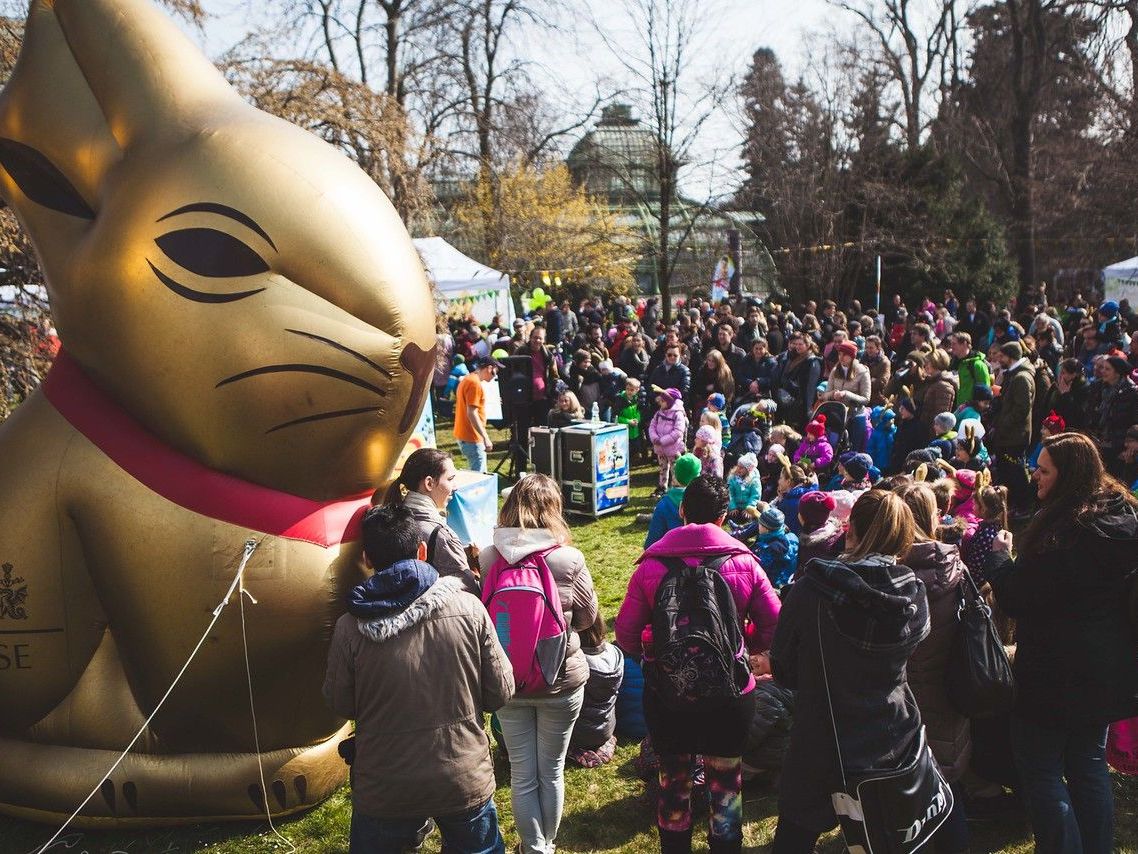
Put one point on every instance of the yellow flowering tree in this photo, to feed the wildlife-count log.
(542, 221)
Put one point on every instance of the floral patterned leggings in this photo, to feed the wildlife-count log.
(724, 777)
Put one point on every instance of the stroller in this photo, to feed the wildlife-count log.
(837, 420)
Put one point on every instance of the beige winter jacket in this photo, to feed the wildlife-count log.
(417, 684)
(445, 553)
(854, 389)
(574, 586)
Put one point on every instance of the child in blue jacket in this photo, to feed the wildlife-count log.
(880, 446)
(776, 547)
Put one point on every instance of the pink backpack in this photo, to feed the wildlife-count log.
(523, 603)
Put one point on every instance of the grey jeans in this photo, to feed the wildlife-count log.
(536, 731)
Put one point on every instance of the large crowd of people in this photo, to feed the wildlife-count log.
(831, 483)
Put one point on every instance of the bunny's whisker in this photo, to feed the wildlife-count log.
(343, 349)
(303, 369)
(323, 416)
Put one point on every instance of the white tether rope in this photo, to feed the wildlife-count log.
(238, 585)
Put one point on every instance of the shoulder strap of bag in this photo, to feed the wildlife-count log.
(678, 564)
(829, 699)
(432, 541)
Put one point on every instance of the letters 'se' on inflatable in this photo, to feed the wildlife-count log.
(248, 338)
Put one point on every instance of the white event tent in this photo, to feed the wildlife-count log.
(464, 285)
(1120, 281)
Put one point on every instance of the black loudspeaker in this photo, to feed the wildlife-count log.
(515, 381)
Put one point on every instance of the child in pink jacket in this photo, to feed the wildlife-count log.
(816, 446)
(666, 431)
(717, 729)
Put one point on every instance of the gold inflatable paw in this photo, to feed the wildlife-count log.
(248, 338)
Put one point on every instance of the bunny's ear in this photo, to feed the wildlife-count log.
(48, 107)
(983, 480)
(946, 467)
(55, 147)
(921, 472)
(784, 461)
(149, 79)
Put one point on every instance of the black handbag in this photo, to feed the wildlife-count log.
(978, 675)
(890, 811)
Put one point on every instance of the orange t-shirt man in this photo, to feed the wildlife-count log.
(469, 393)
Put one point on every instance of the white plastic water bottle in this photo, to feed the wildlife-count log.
(596, 411)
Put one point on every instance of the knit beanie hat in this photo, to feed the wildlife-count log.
(717, 400)
(816, 428)
(815, 508)
(772, 518)
(774, 451)
(707, 433)
(944, 422)
(928, 456)
(887, 415)
(1054, 422)
(686, 468)
(1109, 308)
(748, 461)
(847, 348)
(982, 391)
(944, 447)
(1013, 350)
(857, 465)
(966, 483)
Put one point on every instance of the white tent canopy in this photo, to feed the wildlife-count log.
(464, 284)
(1120, 281)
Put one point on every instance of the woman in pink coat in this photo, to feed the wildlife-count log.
(667, 431)
(714, 729)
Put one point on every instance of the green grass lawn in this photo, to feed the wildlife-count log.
(605, 808)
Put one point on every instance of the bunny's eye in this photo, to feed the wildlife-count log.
(211, 253)
(41, 181)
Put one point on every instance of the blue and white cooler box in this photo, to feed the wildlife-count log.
(594, 468)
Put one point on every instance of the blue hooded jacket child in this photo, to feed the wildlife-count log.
(777, 551)
(880, 445)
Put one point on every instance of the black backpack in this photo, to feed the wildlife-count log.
(697, 640)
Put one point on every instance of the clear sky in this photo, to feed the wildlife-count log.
(569, 64)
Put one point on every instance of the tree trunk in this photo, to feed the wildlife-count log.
(1023, 195)
(1132, 48)
(663, 267)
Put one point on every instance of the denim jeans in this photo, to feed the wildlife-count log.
(475, 454)
(472, 832)
(1065, 785)
(536, 731)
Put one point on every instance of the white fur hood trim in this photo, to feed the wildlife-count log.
(385, 628)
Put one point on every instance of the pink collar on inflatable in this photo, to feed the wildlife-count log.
(185, 481)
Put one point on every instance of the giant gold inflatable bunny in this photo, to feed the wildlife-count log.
(248, 335)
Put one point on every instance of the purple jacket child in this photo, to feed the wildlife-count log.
(755, 598)
(669, 427)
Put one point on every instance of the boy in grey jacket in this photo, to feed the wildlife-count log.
(416, 663)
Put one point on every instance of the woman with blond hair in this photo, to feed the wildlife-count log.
(536, 726)
(860, 617)
(713, 377)
(566, 410)
(940, 568)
